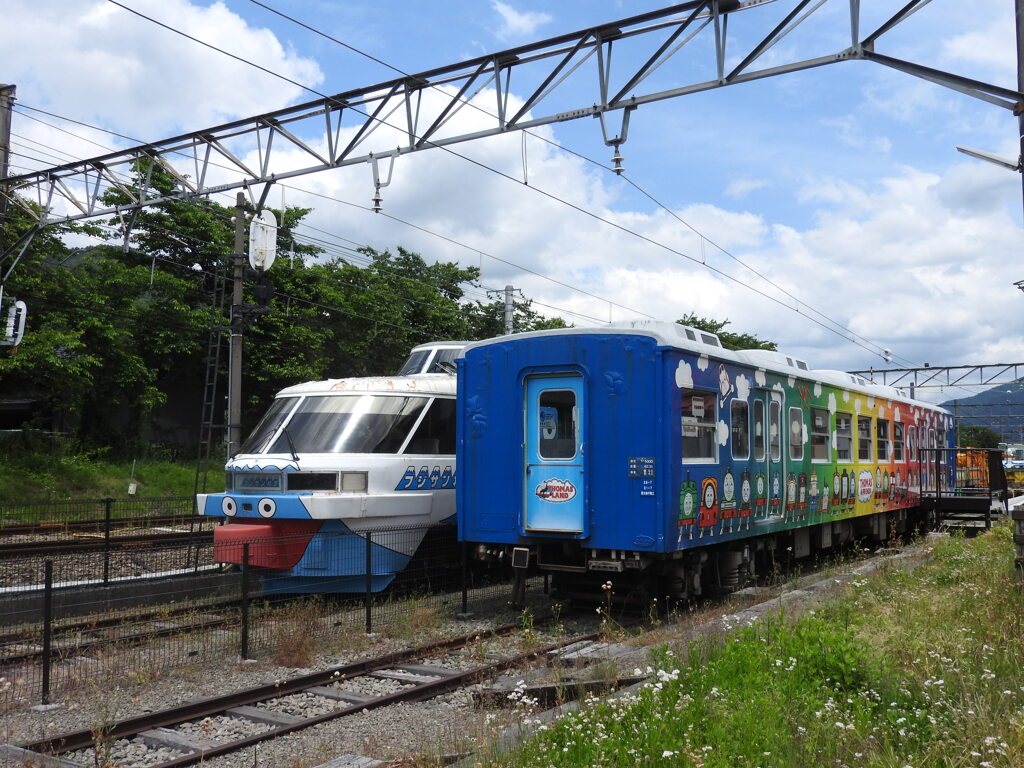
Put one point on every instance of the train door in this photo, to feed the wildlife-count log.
(776, 456)
(553, 492)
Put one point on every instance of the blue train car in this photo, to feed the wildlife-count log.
(647, 450)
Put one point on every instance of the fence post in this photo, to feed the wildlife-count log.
(244, 650)
(107, 514)
(47, 627)
(368, 600)
(465, 576)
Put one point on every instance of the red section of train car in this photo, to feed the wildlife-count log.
(277, 544)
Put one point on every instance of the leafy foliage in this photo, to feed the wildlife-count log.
(729, 339)
(117, 338)
(975, 436)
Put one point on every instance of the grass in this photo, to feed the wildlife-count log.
(34, 471)
(907, 669)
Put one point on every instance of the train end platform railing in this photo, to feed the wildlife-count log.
(967, 487)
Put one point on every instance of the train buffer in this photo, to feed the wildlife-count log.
(965, 487)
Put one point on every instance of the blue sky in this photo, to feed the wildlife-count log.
(841, 184)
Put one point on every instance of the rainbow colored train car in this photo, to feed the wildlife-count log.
(646, 452)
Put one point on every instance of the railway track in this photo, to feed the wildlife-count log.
(174, 737)
(84, 636)
(70, 527)
(37, 547)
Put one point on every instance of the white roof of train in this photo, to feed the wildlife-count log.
(693, 339)
(422, 384)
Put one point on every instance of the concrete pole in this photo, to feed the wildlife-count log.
(6, 104)
(234, 426)
(1019, 109)
(508, 309)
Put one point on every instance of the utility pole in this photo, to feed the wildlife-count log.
(509, 306)
(234, 425)
(508, 309)
(6, 104)
(1019, 108)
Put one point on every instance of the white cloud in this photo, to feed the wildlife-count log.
(989, 49)
(920, 260)
(154, 83)
(850, 131)
(739, 188)
(518, 23)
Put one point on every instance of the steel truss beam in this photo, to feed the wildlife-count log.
(409, 114)
(945, 375)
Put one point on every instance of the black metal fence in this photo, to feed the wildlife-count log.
(95, 515)
(85, 618)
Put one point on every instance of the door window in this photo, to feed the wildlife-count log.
(775, 430)
(759, 430)
(557, 424)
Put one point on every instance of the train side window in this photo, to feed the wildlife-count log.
(940, 437)
(882, 433)
(700, 426)
(844, 436)
(820, 435)
(436, 432)
(759, 431)
(775, 430)
(864, 438)
(897, 441)
(444, 360)
(558, 434)
(796, 434)
(911, 443)
(740, 420)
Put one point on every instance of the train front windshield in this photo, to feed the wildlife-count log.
(337, 424)
(265, 430)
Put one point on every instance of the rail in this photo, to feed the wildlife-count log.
(231, 615)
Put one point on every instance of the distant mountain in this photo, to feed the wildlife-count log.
(1000, 408)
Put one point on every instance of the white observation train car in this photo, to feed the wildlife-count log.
(341, 473)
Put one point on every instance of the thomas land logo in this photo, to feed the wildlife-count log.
(556, 490)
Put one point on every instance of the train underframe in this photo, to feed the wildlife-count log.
(691, 574)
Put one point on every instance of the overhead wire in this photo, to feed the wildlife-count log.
(328, 308)
(843, 333)
(305, 225)
(561, 147)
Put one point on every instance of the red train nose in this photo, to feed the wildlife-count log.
(273, 544)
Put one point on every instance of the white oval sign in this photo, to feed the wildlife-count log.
(263, 240)
(866, 484)
(555, 490)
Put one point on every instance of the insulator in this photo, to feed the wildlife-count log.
(377, 200)
(617, 162)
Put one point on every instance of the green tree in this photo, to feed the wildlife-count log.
(729, 339)
(976, 436)
(488, 320)
(118, 333)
